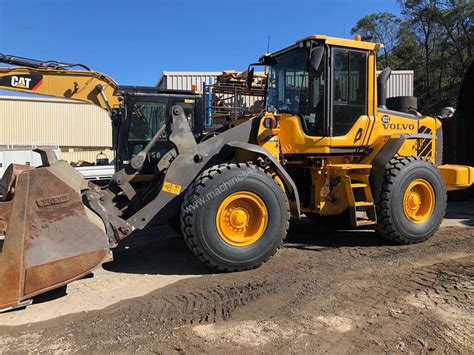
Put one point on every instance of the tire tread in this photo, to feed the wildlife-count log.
(385, 224)
(186, 218)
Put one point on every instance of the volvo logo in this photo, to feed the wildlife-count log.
(399, 126)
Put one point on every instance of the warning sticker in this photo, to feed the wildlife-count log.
(171, 188)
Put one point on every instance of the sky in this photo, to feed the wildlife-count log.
(135, 41)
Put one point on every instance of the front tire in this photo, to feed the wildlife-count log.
(234, 216)
(412, 202)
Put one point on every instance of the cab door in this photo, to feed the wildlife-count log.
(350, 119)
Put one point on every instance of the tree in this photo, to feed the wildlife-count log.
(421, 16)
(443, 30)
(382, 28)
(457, 17)
(435, 38)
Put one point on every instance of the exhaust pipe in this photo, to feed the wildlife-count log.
(382, 87)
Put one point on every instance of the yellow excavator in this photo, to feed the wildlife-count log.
(326, 144)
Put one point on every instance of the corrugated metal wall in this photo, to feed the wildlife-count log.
(185, 80)
(401, 82)
(66, 123)
(81, 130)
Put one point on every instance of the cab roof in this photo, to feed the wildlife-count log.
(334, 41)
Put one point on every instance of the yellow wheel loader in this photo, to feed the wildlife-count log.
(326, 144)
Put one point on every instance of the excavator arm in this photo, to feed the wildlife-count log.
(59, 80)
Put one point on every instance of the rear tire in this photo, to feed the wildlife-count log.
(412, 202)
(214, 196)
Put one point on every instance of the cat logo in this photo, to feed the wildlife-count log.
(26, 82)
(21, 82)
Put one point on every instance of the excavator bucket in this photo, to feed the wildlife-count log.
(49, 237)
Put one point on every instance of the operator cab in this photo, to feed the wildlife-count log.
(323, 89)
(145, 111)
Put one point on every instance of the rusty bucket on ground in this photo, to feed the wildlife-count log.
(50, 237)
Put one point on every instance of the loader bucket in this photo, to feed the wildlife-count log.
(50, 237)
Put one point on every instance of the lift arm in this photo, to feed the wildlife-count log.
(59, 80)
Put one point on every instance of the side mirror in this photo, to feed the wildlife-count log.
(315, 57)
(250, 74)
(447, 112)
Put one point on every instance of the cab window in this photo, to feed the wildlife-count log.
(146, 119)
(294, 87)
(349, 89)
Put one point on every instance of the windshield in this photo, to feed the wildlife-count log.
(293, 88)
(286, 79)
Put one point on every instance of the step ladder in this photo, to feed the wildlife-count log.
(355, 179)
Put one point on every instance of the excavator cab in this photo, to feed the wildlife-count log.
(145, 111)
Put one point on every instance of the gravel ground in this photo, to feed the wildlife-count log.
(326, 290)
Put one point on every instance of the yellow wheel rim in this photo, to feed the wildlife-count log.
(242, 219)
(419, 201)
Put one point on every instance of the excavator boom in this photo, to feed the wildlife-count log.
(59, 80)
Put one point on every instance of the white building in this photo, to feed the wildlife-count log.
(80, 130)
